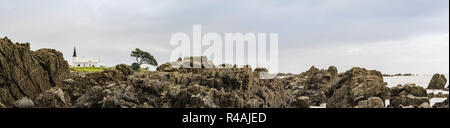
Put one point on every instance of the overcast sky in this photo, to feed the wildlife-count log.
(393, 36)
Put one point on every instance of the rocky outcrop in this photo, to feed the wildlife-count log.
(173, 86)
(437, 82)
(408, 95)
(42, 79)
(313, 83)
(81, 84)
(321, 80)
(26, 73)
(356, 85)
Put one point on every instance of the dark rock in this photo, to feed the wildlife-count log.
(26, 73)
(408, 95)
(333, 71)
(300, 102)
(357, 85)
(372, 102)
(167, 67)
(124, 69)
(437, 82)
(91, 99)
(184, 88)
(412, 89)
(104, 78)
(408, 100)
(313, 83)
(258, 70)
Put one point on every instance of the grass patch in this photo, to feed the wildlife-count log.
(90, 69)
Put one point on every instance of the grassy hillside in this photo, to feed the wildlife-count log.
(90, 69)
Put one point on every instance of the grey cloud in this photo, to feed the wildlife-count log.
(110, 29)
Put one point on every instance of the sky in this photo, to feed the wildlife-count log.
(392, 36)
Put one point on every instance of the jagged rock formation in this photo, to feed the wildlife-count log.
(42, 79)
(26, 73)
(81, 86)
(408, 95)
(313, 83)
(437, 82)
(185, 88)
(357, 85)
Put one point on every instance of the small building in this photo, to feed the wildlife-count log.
(84, 61)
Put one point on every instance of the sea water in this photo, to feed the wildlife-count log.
(419, 80)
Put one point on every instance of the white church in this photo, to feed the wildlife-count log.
(84, 61)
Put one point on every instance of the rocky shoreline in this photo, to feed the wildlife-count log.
(41, 79)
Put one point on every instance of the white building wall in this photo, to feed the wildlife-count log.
(85, 62)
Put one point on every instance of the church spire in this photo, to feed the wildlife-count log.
(74, 52)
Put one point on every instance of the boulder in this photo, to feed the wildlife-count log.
(372, 102)
(408, 95)
(53, 98)
(167, 67)
(408, 89)
(333, 71)
(92, 98)
(26, 73)
(408, 100)
(424, 105)
(124, 69)
(437, 82)
(25, 102)
(355, 85)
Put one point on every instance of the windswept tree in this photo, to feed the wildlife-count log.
(142, 57)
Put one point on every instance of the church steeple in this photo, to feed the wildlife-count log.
(74, 52)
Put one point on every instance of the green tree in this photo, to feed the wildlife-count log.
(135, 66)
(143, 57)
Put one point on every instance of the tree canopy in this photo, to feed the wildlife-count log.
(143, 57)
